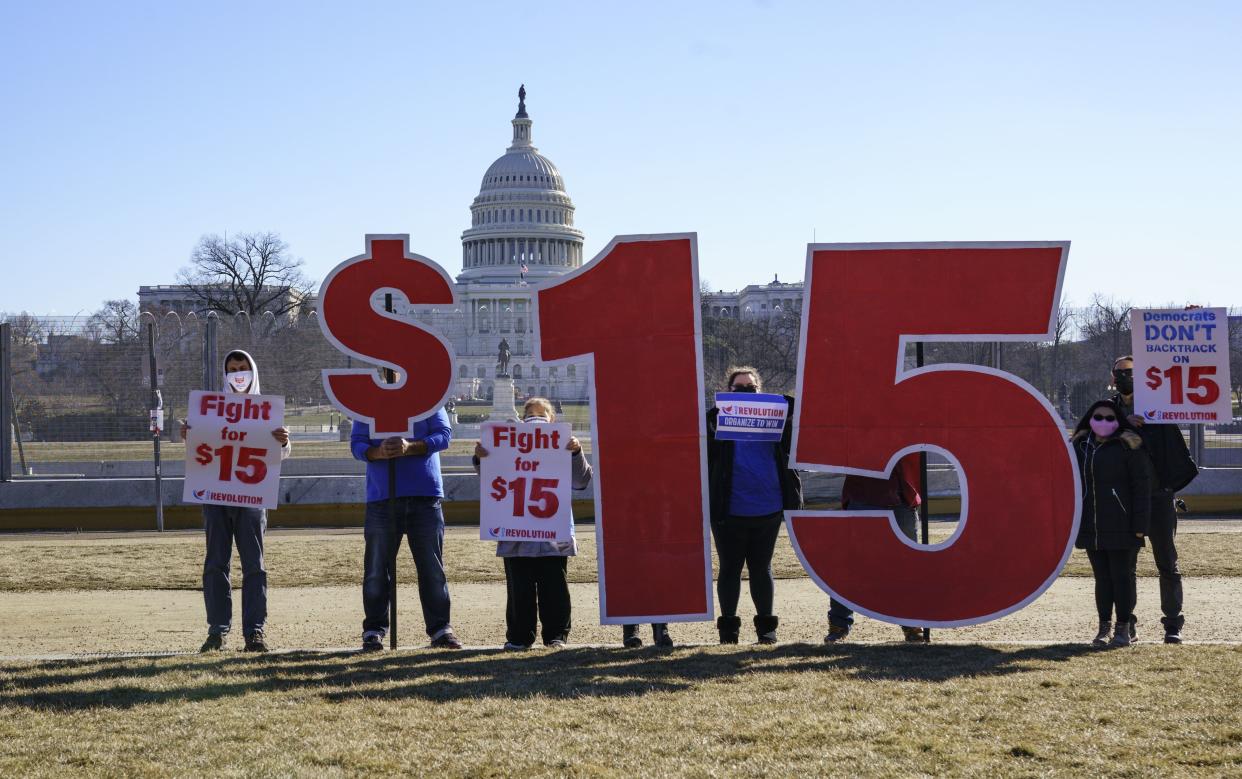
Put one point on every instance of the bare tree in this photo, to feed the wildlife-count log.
(249, 273)
(115, 323)
(1106, 325)
(1235, 352)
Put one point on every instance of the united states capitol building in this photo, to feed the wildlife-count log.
(521, 235)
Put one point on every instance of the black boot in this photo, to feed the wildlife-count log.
(765, 627)
(660, 635)
(630, 638)
(729, 628)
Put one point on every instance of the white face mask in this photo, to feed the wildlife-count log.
(239, 380)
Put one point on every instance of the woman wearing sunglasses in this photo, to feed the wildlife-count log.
(1116, 483)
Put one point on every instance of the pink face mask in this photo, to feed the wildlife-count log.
(1103, 428)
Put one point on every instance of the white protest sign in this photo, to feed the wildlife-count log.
(750, 416)
(231, 458)
(524, 488)
(1181, 364)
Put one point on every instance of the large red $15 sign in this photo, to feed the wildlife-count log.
(350, 319)
(634, 313)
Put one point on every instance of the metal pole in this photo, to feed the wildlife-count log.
(6, 392)
(157, 406)
(924, 514)
(391, 377)
(17, 431)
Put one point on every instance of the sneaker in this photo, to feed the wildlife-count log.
(632, 642)
(446, 640)
(512, 647)
(373, 642)
(555, 643)
(1173, 629)
(1101, 637)
(912, 635)
(255, 642)
(215, 642)
(836, 634)
(1121, 635)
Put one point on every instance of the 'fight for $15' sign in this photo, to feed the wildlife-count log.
(525, 482)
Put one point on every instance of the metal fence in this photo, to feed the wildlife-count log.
(78, 390)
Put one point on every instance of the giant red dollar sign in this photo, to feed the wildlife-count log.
(862, 408)
(422, 359)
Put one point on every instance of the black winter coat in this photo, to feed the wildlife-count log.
(1116, 491)
(1173, 467)
(720, 467)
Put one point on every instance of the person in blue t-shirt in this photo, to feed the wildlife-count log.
(418, 516)
(750, 486)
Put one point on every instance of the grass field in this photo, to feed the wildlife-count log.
(797, 709)
(794, 710)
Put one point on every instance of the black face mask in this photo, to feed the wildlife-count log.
(747, 388)
(1124, 382)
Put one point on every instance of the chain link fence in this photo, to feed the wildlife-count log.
(79, 389)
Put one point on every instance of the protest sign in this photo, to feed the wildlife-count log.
(648, 424)
(1020, 488)
(524, 488)
(1181, 364)
(231, 458)
(749, 416)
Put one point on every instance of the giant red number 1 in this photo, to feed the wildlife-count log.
(634, 312)
(862, 409)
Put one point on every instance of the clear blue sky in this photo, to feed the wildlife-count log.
(131, 129)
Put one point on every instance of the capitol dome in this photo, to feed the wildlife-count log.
(522, 219)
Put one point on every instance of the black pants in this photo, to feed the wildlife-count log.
(538, 591)
(748, 541)
(1162, 533)
(1116, 587)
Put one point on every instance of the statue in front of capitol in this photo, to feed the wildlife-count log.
(502, 358)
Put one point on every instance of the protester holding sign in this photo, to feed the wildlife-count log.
(225, 525)
(1116, 505)
(899, 493)
(1173, 469)
(750, 486)
(419, 490)
(535, 571)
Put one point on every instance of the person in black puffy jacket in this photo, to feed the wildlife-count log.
(1116, 485)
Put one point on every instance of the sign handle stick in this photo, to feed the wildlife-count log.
(391, 377)
(924, 514)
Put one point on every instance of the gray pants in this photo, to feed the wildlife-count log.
(225, 525)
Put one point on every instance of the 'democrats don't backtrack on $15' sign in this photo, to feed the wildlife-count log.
(633, 313)
(1181, 364)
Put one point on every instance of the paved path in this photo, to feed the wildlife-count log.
(60, 623)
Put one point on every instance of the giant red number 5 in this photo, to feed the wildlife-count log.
(634, 311)
(861, 409)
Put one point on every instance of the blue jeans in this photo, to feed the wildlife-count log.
(421, 521)
(225, 525)
(908, 521)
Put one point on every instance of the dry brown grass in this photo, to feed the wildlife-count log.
(174, 561)
(794, 710)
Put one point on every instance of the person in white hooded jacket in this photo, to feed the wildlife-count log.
(225, 525)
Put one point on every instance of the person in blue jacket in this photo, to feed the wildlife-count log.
(418, 517)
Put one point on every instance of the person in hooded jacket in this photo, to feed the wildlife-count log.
(536, 586)
(1173, 469)
(1116, 507)
(228, 525)
(750, 486)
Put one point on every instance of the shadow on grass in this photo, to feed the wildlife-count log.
(479, 674)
